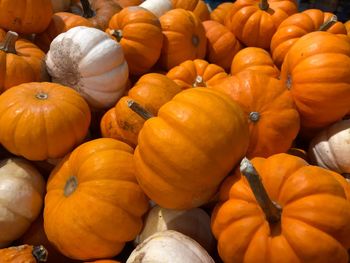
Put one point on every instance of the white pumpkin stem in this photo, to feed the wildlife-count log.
(199, 82)
(264, 5)
(9, 43)
(40, 253)
(88, 12)
(137, 108)
(329, 23)
(272, 211)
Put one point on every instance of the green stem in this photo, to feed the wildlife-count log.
(9, 43)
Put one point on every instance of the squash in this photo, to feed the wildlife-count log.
(20, 61)
(22, 195)
(299, 25)
(185, 152)
(157, 7)
(60, 5)
(41, 120)
(89, 61)
(23, 254)
(198, 7)
(297, 212)
(94, 195)
(126, 3)
(220, 12)
(347, 26)
(169, 246)
(139, 33)
(104, 261)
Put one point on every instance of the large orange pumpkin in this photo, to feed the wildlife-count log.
(306, 220)
(198, 7)
(41, 120)
(269, 108)
(220, 12)
(94, 196)
(185, 152)
(255, 21)
(23, 254)
(298, 25)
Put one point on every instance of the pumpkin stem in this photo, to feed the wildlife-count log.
(8, 45)
(118, 34)
(195, 40)
(41, 95)
(272, 211)
(40, 253)
(88, 12)
(199, 82)
(330, 22)
(254, 116)
(137, 108)
(264, 5)
(71, 186)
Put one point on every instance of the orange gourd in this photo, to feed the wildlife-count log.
(23, 254)
(347, 26)
(198, 7)
(220, 12)
(126, 3)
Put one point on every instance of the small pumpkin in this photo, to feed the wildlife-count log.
(41, 120)
(254, 58)
(94, 195)
(24, 253)
(89, 61)
(298, 25)
(60, 5)
(157, 7)
(198, 7)
(222, 44)
(220, 12)
(126, 3)
(347, 26)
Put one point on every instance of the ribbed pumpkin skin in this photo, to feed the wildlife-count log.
(106, 207)
(296, 26)
(347, 26)
(18, 254)
(198, 7)
(220, 12)
(317, 70)
(185, 152)
(39, 129)
(314, 226)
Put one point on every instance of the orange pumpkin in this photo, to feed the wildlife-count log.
(94, 195)
(196, 73)
(41, 120)
(20, 61)
(25, 16)
(184, 38)
(306, 219)
(299, 25)
(254, 58)
(198, 7)
(268, 107)
(23, 254)
(220, 12)
(255, 21)
(140, 35)
(150, 92)
(222, 44)
(347, 26)
(316, 70)
(185, 152)
(126, 3)
(104, 261)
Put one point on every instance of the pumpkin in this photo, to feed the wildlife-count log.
(139, 33)
(22, 192)
(26, 16)
(299, 25)
(94, 195)
(185, 152)
(126, 3)
(297, 212)
(88, 60)
(268, 107)
(41, 120)
(20, 61)
(316, 70)
(151, 92)
(60, 22)
(104, 261)
(198, 7)
(194, 223)
(220, 12)
(347, 26)
(184, 38)
(157, 7)
(60, 5)
(254, 22)
(330, 148)
(254, 58)
(169, 246)
(196, 73)
(23, 253)
(222, 44)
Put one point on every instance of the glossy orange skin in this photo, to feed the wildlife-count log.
(254, 58)
(142, 37)
(297, 26)
(222, 44)
(184, 38)
(38, 129)
(279, 122)
(316, 70)
(255, 27)
(220, 12)
(25, 16)
(314, 225)
(126, 3)
(187, 73)
(109, 125)
(106, 208)
(198, 7)
(17, 254)
(185, 152)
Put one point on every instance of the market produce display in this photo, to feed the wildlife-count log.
(174, 131)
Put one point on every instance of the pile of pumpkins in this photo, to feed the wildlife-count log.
(165, 131)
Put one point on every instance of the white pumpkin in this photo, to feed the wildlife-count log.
(194, 223)
(60, 5)
(21, 198)
(169, 247)
(92, 63)
(157, 7)
(331, 147)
